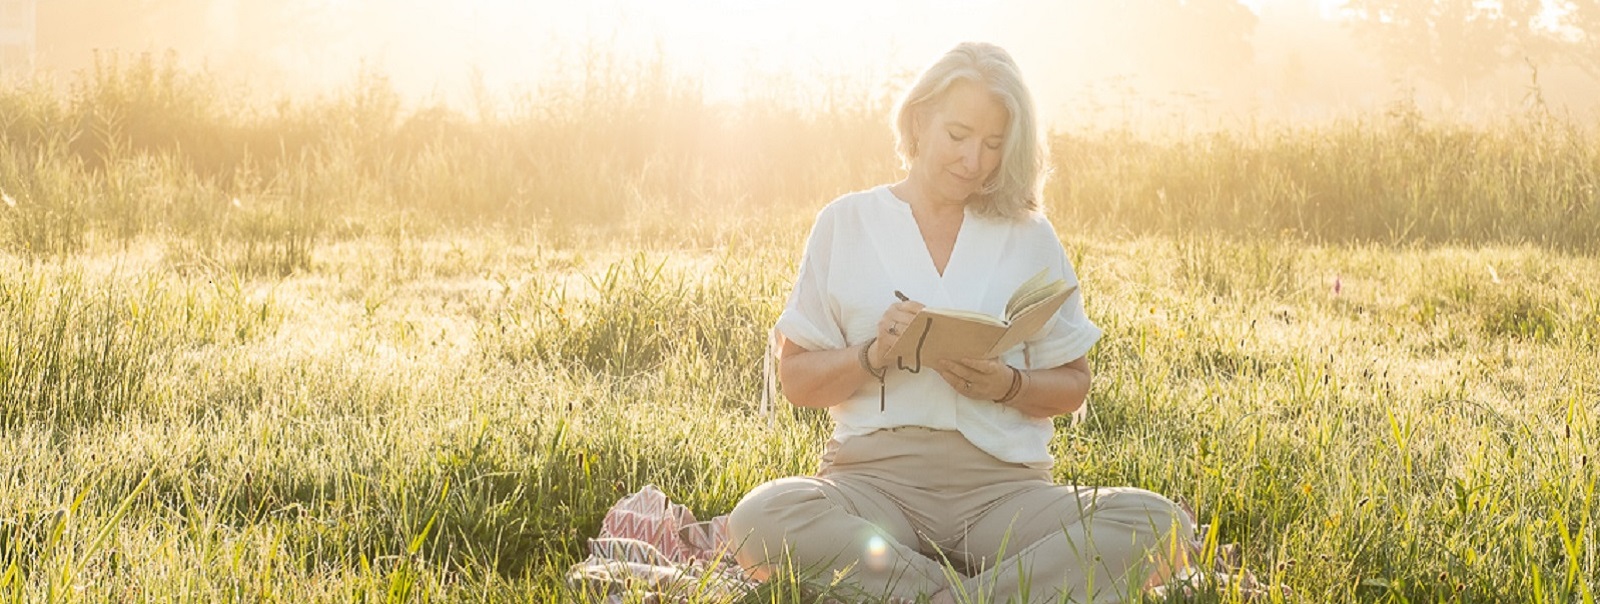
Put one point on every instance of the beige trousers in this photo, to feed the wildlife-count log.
(909, 511)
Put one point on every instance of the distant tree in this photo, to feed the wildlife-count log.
(1219, 32)
(1452, 43)
(1581, 28)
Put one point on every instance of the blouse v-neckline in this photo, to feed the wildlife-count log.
(933, 260)
(916, 228)
(967, 271)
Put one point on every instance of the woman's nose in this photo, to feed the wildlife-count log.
(970, 156)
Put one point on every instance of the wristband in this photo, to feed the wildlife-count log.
(866, 364)
(1016, 386)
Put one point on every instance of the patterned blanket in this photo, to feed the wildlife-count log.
(653, 550)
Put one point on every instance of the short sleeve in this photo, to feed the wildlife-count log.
(1071, 334)
(811, 317)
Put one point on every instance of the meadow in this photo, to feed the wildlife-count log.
(347, 349)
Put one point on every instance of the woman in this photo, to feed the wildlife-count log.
(946, 469)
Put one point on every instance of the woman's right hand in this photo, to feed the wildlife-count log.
(896, 319)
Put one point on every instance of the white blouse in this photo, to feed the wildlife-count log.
(846, 283)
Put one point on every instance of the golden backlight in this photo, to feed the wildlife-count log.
(1138, 60)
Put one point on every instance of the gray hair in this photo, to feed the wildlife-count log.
(1015, 188)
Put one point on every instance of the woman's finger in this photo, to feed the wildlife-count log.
(955, 381)
(910, 307)
(962, 371)
(979, 366)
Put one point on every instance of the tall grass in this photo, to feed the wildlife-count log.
(139, 146)
(1526, 179)
(344, 349)
(151, 148)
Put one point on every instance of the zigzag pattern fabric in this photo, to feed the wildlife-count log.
(650, 517)
(654, 549)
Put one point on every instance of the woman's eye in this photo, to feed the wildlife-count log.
(954, 137)
(993, 146)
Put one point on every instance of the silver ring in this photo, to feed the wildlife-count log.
(894, 329)
(968, 386)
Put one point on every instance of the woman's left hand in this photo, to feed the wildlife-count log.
(980, 379)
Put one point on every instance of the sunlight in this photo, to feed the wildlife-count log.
(733, 46)
(1086, 61)
(1328, 8)
(310, 300)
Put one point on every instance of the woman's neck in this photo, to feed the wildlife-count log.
(924, 204)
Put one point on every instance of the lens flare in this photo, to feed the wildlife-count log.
(877, 557)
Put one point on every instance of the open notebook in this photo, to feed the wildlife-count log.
(948, 333)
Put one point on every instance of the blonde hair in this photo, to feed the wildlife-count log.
(1015, 187)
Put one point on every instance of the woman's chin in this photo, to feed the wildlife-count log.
(957, 193)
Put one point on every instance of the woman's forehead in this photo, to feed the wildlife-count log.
(973, 106)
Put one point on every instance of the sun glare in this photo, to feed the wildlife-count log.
(733, 49)
(731, 46)
(1085, 60)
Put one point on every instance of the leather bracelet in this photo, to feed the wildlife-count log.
(866, 363)
(1016, 386)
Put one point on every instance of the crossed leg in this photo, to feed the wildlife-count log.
(833, 526)
(1076, 544)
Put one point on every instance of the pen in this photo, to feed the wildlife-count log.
(901, 296)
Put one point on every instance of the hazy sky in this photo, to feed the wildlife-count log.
(731, 46)
(1084, 58)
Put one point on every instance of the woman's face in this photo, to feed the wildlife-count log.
(959, 141)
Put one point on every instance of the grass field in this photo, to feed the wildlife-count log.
(338, 349)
